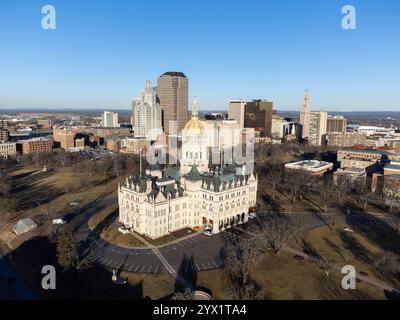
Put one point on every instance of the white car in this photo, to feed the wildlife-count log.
(252, 215)
(59, 221)
(207, 232)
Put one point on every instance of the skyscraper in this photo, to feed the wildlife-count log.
(236, 111)
(173, 92)
(109, 119)
(4, 133)
(305, 115)
(336, 124)
(258, 115)
(147, 114)
(317, 127)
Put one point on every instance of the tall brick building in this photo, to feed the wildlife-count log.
(173, 93)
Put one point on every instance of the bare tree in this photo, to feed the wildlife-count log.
(273, 179)
(326, 265)
(387, 263)
(392, 194)
(298, 227)
(294, 183)
(277, 232)
(341, 188)
(5, 185)
(240, 258)
(326, 191)
(328, 219)
(50, 214)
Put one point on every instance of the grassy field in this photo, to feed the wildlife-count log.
(47, 196)
(112, 235)
(102, 215)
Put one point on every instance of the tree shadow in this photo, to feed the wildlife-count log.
(333, 246)
(359, 251)
(309, 250)
(376, 230)
(186, 275)
(92, 282)
(328, 289)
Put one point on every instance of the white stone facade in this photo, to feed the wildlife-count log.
(157, 207)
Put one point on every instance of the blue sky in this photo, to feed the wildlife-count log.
(103, 51)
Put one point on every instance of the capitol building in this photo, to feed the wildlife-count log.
(189, 195)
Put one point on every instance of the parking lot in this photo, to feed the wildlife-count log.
(205, 251)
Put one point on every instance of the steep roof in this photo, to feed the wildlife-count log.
(193, 174)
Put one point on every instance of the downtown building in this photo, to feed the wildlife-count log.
(305, 116)
(255, 114)
(317, 128)
(336, 124)
(4, 133)
(146, 114)
(345, 139)
(8, 149)
(187, 195)
(36, 145)
(109, 119)
(173, 96)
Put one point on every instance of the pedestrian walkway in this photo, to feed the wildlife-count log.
(165, 263)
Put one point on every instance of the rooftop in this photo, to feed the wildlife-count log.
(174, 74)
(309, 164)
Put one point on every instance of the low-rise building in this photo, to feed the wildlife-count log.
(313, 167)
(8, 149)
(353, 176)
(345, 139)
(36, 145)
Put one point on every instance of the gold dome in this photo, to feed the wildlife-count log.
(194, 126)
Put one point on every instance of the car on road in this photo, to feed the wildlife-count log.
(207, 232)
(252, 215)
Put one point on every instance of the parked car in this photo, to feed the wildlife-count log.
(59, 221)
(207, 232)
(252, 215)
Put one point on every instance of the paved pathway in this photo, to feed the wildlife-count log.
(179, 278)
(166, 264)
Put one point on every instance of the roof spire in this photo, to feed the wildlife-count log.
(195, 111)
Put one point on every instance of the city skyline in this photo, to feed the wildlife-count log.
(92, 64)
